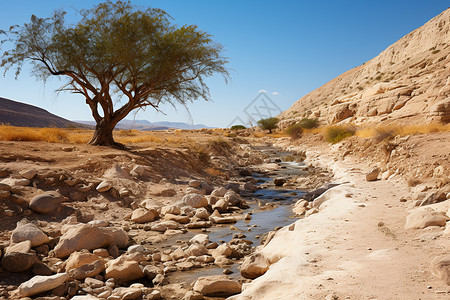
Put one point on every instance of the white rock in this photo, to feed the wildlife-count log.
(40, 284)
(195, 200)
(104, 186)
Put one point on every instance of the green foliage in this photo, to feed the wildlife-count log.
(118, 54)
(335, 134)
(268, 124)
(238, 127)
(295, 131)
(307, 123)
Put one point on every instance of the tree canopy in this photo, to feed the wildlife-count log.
(268, 124)
(119, 57)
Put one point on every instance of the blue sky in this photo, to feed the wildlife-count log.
(287, 48)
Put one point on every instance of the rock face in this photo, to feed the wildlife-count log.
(83, 236)
(39, 284)
(217, 286)
(46, 203)
(395, 84)
(422, 219)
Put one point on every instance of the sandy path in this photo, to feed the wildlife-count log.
(346, 253)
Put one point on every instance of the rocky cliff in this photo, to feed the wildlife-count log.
(407, 82)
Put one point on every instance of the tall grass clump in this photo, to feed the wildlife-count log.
(28, 134)
(335, 134)
(295, 131)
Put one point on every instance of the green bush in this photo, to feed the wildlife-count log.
(295, 131)
(268, 124)
(306, 123)
(238, 127)
(335, 134)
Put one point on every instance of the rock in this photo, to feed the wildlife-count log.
(248, 186)
(139, 170)
(87, 270)
(373, 174)
(279, 181)
(151, 271)
(4, 187)
(219, 192)
(28, 174)
(440, 267)
(83, 236)
(120, 237)
(22, 247)
(165, 225)
(232, 198)
(254, 266)
(103, 186)
(17, 262)
(191, 295)
(221, 205)
(77, 259)
(142, 215)
(195, 200)
(177, 218)
(171, 209)
(222, 250)
(85, 297)
(16, 181)
(135, 248)
(178, 254)
(94, 283)
(39, 284)
(28, 231)
(46, 203)
(217, 286)
(199, 224)
(223, 220)
(234, 186)
(155, 294)
(40, 268)
(421, 219)
(247, 217)
(222, 261)
(185, 266)
(127, 293)
(202, 239)
(202, 213)
(441, 111)
(196, 250)
(123, 269)
(195, 183)
(207, 188)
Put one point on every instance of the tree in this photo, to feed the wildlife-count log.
(268, 124)
(120, 58)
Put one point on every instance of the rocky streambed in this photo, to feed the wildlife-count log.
(188, 250)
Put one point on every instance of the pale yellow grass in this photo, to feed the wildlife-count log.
(370, 132)
(27, 134)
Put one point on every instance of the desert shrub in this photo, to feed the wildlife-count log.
(268, 124)
(238, 127)
(307, 123)
(335, 134)
(295, 131)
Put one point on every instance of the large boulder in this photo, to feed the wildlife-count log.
(46, 203)
(83, 236)
(195, 200)
(440, 267)
(28, 231)
(217, 286)
(254, 266)
(40, 284)
(423, 218)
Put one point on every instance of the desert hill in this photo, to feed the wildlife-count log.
(146, 125)
(407, 82)
(20, 114)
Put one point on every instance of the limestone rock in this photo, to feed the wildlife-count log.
(39, 284)
(219, 192)
(200, 238)
(221, 205)
(440, 267)
(84, 236)
(28, 231)
(195, 183)
(177, 218)
(170, 209)
(28, 174)
(87, 270)
(46, 203)
(123, 269)
(120, 237)
(142, 215)
(15, 181)
(165, 225)
(127, 293)
(103, 186)
(196, 250)
(421, 219)
(217, 286)
(195, 200)
(222, 250)
(202, 213)
(77, 259)
(18, 262)
(373, 174)
(254, 266)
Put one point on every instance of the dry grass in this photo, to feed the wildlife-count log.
(393, 130)
(27, 134)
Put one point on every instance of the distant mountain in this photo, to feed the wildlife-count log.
(147, 125)
(25, 115)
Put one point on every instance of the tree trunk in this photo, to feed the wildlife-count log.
(103, 135)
